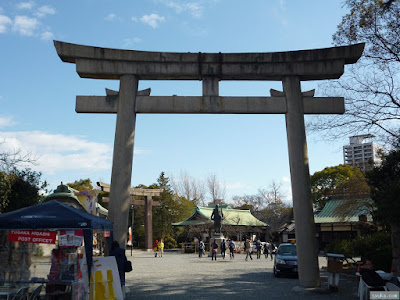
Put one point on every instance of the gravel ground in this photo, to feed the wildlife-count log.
(185, 276)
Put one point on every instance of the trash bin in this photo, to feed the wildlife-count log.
(335, 266)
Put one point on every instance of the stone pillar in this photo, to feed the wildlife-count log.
(123, 158)
(210, 86)
(301, 188)
(148, 223)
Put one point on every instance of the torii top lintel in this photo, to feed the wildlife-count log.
(107, 63)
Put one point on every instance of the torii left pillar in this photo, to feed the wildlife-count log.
(121, 174)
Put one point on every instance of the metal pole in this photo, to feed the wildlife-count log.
(133, 207)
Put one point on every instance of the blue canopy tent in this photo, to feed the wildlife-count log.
(54, 215)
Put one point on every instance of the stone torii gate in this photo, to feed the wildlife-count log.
(292, 67)
(148, 205)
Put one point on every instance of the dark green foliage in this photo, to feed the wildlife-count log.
(172, 209)
(181, 233)
(376, 247)
(344, 247)
(337, 180)
(169, 242)
(19, 188)
(385, 183)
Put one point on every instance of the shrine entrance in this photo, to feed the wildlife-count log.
(148, 204)
(292, 67)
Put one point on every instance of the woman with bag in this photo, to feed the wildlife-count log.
(121, 259)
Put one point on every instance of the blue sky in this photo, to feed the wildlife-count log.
(246, 152)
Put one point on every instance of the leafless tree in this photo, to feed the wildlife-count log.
(273, 194)
(10, 160)
(189, 187)
(275, 212)
(371, 87)
(216, 189)
(253, 202)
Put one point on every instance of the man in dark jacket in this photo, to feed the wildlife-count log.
(369, 275)
(120, 257)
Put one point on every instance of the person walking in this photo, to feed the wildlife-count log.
(120, 257)
(201, 248)
(271, 248)
(223, 249)
(258, 248)
(232, 247)
(160, 247)
(247, 248)
(214, 249)
(265, 250)
(155, 248)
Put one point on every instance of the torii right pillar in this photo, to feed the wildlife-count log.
(300, 179)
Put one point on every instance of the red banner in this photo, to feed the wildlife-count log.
(32, 236)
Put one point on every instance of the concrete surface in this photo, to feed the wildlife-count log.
(186, 276)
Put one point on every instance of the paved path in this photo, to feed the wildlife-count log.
(185, 276)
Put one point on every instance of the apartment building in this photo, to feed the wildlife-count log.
(362, 152)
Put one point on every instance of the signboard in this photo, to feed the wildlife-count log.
(70, 238)
(33, 236)
(104, 279)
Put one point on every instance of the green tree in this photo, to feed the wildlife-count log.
(172, 208)
(19, 188)
(370, 87)
(385, 183)
(81, 185)
(337, 180)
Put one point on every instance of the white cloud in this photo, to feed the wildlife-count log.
(57, 153)
(135, 19)
(282, 4)
(4, 23)
(128, 42)
(235, 186)
(195, 31)
(280, 13)
(6, 121)
(47, 36)
(25, 25)
(285, 179)
(152, 20)
(110, 17)
(44, 11)
(26, 5)
(194, 8)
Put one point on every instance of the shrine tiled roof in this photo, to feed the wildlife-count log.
(238, 217)
(343, 210)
